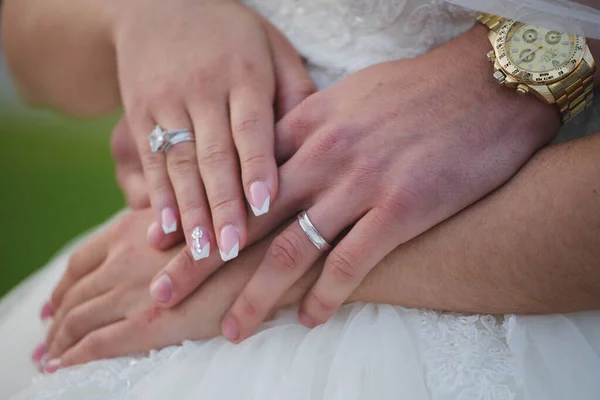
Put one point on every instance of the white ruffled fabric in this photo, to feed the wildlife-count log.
(366, 351)
(561, 15)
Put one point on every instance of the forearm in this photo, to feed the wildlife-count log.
(60, 53)
(531, 247)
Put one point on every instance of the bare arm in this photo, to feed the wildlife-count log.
(531, 247)
(60, 53)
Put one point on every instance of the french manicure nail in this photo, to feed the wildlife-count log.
(168, 220)
(52, 366)
(231, 330)
(200, 245)
(260, 198)
(161, 289)
(230, 243)
(47, 311)
(39, 352)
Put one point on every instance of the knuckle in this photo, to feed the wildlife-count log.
(213, 156)
(182, 164)
(248, 124)
(152, 161)
(297, 122)
(343, 266)
(93, 344)
(254, 160)
(227, 206)
(249, 306)
(70, 326)
(204, 76)
(402, 201)
(325, 307)
(286, 251)
(336, 138)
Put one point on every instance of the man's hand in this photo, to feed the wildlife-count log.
(388, 153)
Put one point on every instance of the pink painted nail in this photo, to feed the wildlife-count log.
(161, 289)
(168, 220)
(52, 366)
(39, 352)
(200, 243)
(231, 330)
(47, 311)
(260, 198)
(230, 243)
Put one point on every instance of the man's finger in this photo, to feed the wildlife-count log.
(367, 243)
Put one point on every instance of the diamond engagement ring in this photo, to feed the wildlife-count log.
(161, 140)
(312, 233)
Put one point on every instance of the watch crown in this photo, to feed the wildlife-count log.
(491, 56)
(500, 77)
(523, 90)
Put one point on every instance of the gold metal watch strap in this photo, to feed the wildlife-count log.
(491, 21)
(574, 93)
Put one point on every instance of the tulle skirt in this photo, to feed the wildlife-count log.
(366, 351)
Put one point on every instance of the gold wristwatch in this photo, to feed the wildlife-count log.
(556, 67)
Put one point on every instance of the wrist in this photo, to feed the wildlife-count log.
(526, 114)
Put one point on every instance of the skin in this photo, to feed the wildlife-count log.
(397, 202)
(217, 71)
(482, 262)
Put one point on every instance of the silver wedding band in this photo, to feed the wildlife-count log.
(312, 233)
(162, 140)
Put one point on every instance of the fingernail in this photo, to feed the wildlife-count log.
(47, 311)
(260, 198)
(161, 289)
(39, 352)
(306, 320)
(230, 243)
(52, 366)
(200, 245)
(231, 330)
(168, 220)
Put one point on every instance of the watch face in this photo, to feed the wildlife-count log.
(537, 55)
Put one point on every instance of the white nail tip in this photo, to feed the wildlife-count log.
(233, 253)
(264, 209)
(169, 229)
(204, 253)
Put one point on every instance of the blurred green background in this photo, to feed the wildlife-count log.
(56, 181)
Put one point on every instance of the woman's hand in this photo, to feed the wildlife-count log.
(216, 68)
(388, 153)
(103, 309)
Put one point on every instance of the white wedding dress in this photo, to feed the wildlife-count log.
(366, 351)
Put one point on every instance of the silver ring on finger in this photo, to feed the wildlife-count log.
(162, 140)
(312, 233)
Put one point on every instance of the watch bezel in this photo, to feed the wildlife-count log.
(535, 78)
